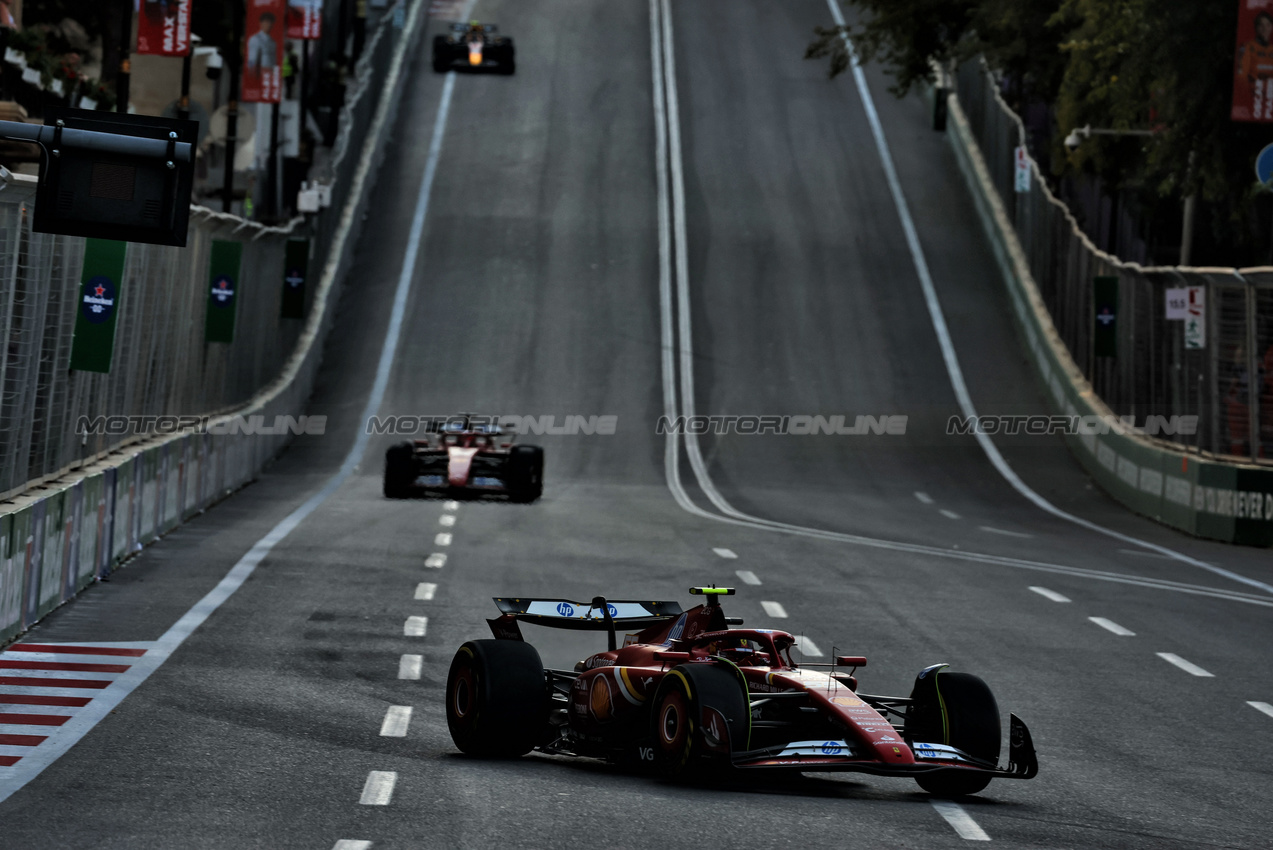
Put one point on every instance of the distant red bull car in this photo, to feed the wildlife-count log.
(689, 694)
(462, 459)
(474, 47)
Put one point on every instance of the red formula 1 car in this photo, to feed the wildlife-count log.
(463, 458)
(474, 47)
(689, 693)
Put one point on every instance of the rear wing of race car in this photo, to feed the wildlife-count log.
(598, 615)
(462, 27)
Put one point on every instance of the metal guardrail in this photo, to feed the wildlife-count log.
(1227, 384)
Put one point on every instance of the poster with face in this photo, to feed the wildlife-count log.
(305, 19)
(263, 54)
(1253, 63)
(163, 27)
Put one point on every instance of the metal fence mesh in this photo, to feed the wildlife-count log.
(1154, 373)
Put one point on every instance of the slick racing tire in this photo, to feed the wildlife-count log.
(496, 698)
(701, 715)
(507, 57)
(441, 54)
(399, 471)
(959, 710)
(526, 473)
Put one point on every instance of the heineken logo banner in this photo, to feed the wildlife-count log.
(295, 271)
(223, 290)
(98, 305)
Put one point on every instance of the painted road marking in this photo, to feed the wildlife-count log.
(924, 497)
(774, 609)
(948, 514)
(446, 519)
(1262, 706)
(410, 666)
(443, 538)
(960, 821)
(1110, 625)
(424, 591)
(1146, 554)
(378, 790)
(450, 505)
(1187, 666)
(1020, 534)
(1050, 594)
(807, 647)
(725, 553)
(748, 577)
(436, 561)
(396, 721)
(351, 844)
(415, 626)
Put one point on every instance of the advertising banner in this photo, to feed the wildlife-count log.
(295, 270)
(1253, 63)
(163, 27)
(263, 58)
(93, 341)
(305, 19)
(223, 290)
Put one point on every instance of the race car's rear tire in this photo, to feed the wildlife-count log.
(701, 715)
(508, 57)
(959, 710)
(441, 54)
(497, 699)
(526, 473)
(399, 471)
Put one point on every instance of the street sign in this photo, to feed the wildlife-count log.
(1177, 300)
(1022, 157)
(1264, 164)
(1196, 318)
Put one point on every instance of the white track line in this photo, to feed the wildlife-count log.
(436, 561)
(924, 497)
(410, 667)
(774, 609)
(748, 577)
(807, 647)
(960, 820)
(994, 530)
(396, 721)
(351, 844)
(725, 553)
(948, 514)
(450, 505)
(1187, 666)
(1111, 626)
(1262, 706)
(1050, 594)
(378, 790)
(447, 520)
(424, 591)
(1144, 554)
(443, 539)
(415, 626)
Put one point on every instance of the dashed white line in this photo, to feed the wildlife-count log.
(959, 820)
(351, 844)
(948, 514)
(443, 539)
(436, 561)
(774, 609)
(415, 626)
(1146, 554)
(1005, 533)
(1187, 666)
(725, 553)
(1262, 706)
(807, 647)
(1110, 625)
(410, 666)
(1050, 594)
(450, 505)
(748, 577)
(447, 520)
(378, 790)
(924, 497)
(396, 721)
(424, 591)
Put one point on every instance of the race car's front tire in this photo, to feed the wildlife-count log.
(507, 57)
(399, 471)
(959, 710)
(496, 698)
(441, 54)
(701, 715)
(526, 473)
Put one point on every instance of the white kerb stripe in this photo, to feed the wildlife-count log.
(410, 666)
(415, 626)
(443, 538)
(949, 514)
(924, 497)
(807, 647)
(774, 609)
(1110, 625)
(396, 721)
(436, 561)
(378, 790)
(446, 519)
(725, 553)
(748, 577)
(450, 505)
(1187, 666)
(424, 591)
(351, 844)
(960, 821)
(1050, 594)
(1262, 706)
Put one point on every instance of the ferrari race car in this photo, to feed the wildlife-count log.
(463, 458)
(474, 47)
(689, 694)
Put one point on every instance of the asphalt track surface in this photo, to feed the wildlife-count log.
(537, 292)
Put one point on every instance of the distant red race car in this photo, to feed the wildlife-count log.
(688, 694)
(465, 459)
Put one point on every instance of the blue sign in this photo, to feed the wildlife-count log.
(223, 291)
(1264, 164)
(614, 612)
(99, 299)
(565, 609)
